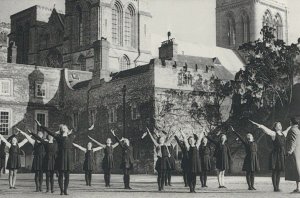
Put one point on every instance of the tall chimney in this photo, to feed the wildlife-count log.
(168, 50)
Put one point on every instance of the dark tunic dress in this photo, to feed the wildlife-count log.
(51, 153)
(194, 160)
(172, 158)
(38, 157)
(277, 157)
(64, 155)
(127, 155)
(205, 153)
(251, 162)
(88, 164)
(14, 160)
(2, 154)
(222, 155)
(162, 163)
(184, 160)
(108, 160)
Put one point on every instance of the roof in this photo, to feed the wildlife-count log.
(130, 72)
(82, 84)
(229, 58)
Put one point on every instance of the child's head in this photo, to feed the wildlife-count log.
(204, 141)
(89, 145)
(191, 141)
(277, 126)
(14, 141)
(126, 141)
(250, 137)
(64, 130)
(40, 134)
(161, 140)
(108, 141)
(223, 137)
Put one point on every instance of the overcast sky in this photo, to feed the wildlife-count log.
(189, 20)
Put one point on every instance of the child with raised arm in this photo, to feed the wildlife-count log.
(3, 154)
(49, 159)
(223, 158)
(162, 164)
(192, 145)
(184, 160)
(127, 159)
(64, 140)
(205, 155)
(108, 159)
(14, 160)
(88, 165)
(251, 164)
(277, 157)
(38, 158)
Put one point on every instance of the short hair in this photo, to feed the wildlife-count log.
(294, 121)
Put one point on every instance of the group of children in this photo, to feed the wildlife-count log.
(52, 157)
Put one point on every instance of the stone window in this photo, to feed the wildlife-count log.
(135, 114)
(124, 63)
(130, 24)
(112, 115)
(278, 27)
(231, 33)
(80, 26)
(5, 87)
(5, 117)
(92, 116)
(267, 19)
(117, 24)
(75, 119)
(245, 26)
(82, 63)
(42, 117)
(185, 78)
(40, 89)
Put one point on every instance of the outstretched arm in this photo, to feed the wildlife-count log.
(152, 138)
(30, 140)
(55, 135)
(181, 145)
(199, 139)
(79, 147)
(117, 139)
(265, 129)
(98, 143)
(285, 132)
(97, 148)
(5, 141)
(21, 144)
(238, 135)
(37, 137)
(185, 141)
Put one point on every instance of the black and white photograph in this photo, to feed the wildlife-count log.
(149, 98)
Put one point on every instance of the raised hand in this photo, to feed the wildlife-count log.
(112, 132)
(232, 129)
(29, 131)
(38, 123)
(148, 130)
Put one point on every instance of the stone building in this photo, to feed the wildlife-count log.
(4, 31)
(240, 21)
(48, 37)
(73, 67)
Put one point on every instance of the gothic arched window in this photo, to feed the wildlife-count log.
(117, 24)
(267, 19)
(231, 33)
(124, 63)
(245, 26)
(130, 24)
(82, 63)
(278, 27)
(80, 26)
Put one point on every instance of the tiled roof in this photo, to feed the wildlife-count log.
(81, 84)
(130, 72)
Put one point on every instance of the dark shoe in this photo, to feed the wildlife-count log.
(220, 186)
(296, 191)
(253, 188)
(250, 188)
(61, 193)
(205, 186)
(47, 190)
(52, 191)
(66, 193)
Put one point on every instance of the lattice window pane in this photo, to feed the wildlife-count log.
(4, 122)
(125, 63)
(40, 90)
(4, 87)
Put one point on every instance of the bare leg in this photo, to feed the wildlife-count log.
(223, 178)
(14, 177)
(219, 177)
(10, 178)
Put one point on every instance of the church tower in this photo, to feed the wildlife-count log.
(240, 21)
(114, 32)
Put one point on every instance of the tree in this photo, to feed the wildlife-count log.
(266, 83)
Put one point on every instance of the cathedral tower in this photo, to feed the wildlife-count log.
(240, 21)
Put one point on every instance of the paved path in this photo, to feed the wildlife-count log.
(145, 186)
